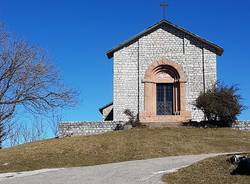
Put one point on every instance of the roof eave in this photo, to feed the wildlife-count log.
(220, 52)
(105, 106)
(110, 53)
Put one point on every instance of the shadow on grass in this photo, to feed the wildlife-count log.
(206, 124)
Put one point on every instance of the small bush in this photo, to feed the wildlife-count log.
(119, 127)
(132, 118)
(220, 104)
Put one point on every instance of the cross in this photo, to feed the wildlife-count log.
(164, 7)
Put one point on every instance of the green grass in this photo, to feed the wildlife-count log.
(120, 146)
(213, 170)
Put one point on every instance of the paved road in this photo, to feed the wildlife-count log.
(132, 172)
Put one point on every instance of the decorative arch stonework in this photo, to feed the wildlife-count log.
(165, 72)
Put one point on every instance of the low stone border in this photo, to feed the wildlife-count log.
(85, 128)
(67, 129)
(242, 125)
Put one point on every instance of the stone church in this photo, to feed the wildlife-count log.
(159, 73)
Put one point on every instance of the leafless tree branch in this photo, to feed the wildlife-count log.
(27, 79)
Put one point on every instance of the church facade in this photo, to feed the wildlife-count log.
(159, 73)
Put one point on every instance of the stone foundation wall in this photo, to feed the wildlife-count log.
(85, 128)
(242, 125)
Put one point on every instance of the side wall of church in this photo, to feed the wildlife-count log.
(164, 43)
(125, 82)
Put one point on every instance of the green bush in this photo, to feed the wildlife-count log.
(220, 104)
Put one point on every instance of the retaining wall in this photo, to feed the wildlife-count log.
(93, 128)
(242, 125)
(85, 128)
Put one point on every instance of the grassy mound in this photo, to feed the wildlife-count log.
(121, 146)
(214, 170)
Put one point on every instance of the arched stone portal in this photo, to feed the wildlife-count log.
(164, 93)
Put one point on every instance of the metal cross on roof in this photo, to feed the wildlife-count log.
(164, 6)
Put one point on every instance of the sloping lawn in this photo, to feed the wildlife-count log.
(120, 146)
(214, 170)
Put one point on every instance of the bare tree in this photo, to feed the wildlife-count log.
(27, 79)
(14, 134)
(54, 122)
(38, 130)
(2, 134)
(25, 133)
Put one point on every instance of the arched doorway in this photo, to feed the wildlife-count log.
(164, 93)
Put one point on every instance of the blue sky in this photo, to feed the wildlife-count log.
(78, 33)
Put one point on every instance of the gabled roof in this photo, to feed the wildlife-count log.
(218, 50)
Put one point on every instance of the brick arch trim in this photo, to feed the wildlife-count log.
(152, 69)
(151, 80)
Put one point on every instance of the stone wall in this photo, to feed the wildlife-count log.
(164, 43)
(242, 125)
(85, 128)
(125, 82)
(93, 128)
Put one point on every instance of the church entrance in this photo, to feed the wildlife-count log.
(164, 99)
(164, 93)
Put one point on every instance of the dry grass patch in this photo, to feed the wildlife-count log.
(121, 146)
(210, 171)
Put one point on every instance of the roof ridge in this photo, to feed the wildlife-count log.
(218, 50)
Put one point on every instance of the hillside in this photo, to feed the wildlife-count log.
(209, 171)
(121, 146)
